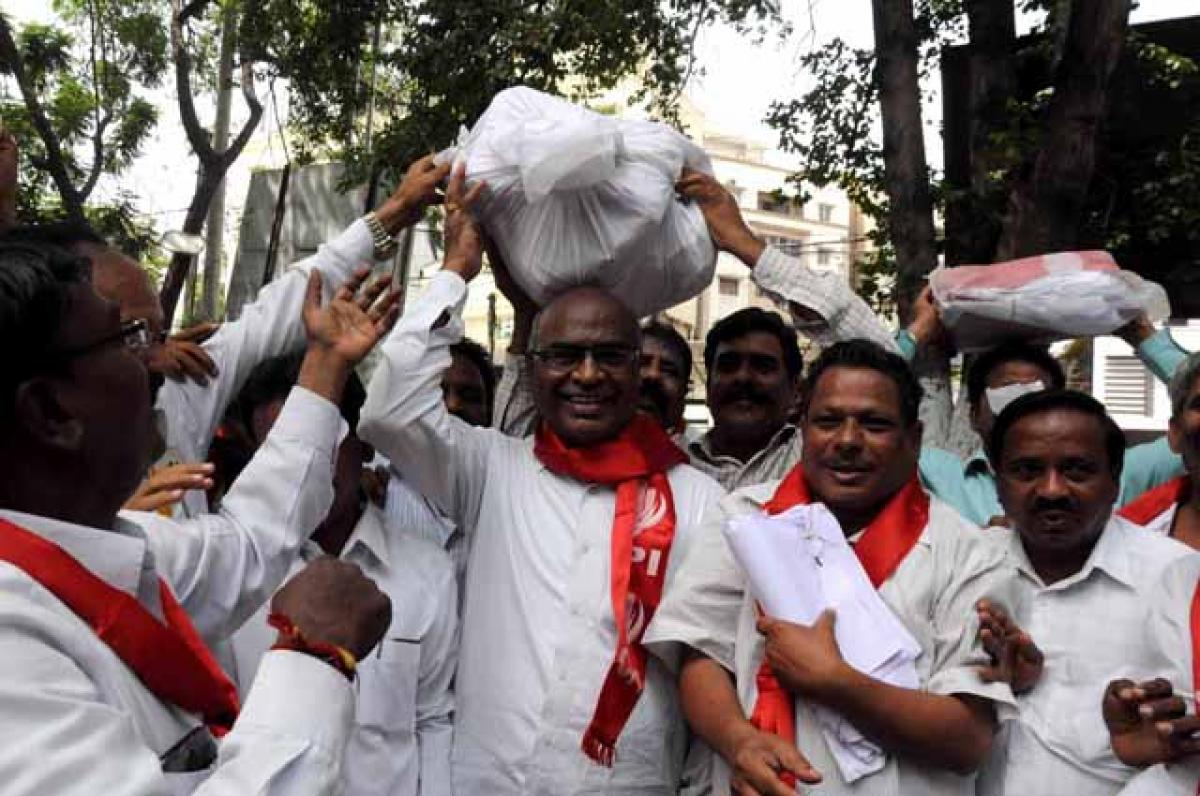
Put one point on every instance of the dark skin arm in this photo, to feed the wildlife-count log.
(951, 732)
(711, 707)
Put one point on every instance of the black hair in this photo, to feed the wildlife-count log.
(274, 378)
(753, 319)
(35, 280)
(669, 336)
(1050, 400)
(985, 363)
(861, 353)
(63, 235)
(478, 356)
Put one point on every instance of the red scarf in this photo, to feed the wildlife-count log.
(635, 463)
(170, 660)
(884, 544)
(1151, 504)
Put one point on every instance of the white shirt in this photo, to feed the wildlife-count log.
(1090, 628)
(1170, 655)
(272, 326)
(411, 514)
(538, 634)
(401, 742)
(933, 592)
(76, 720)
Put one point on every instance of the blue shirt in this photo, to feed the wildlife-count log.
(970, 485)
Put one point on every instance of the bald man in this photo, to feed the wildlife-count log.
(552, 697)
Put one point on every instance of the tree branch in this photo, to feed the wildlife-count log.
(97, 156)
(10, 54)
(256, 111)
(196, 134)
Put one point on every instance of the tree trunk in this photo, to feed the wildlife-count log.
(972, 209)
(906, 177)
(1045, 210)
(193, 223)
(215, 232)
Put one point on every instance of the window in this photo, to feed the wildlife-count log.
(824, 257)
(727, 286)
(825, 213)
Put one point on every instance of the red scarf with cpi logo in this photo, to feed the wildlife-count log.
(635, 463)
(1151, 504)
(884, 544)
(170, 660)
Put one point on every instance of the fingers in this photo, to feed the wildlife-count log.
(367, 297)
(312, 293)
(195, 361)
(154, 502)
(350, 288)
(1165, 709)
(1028, 651)
(198, 333)
(385, 324)
(180, 476)
(791, 759)
(456, 189)
(1181, 736)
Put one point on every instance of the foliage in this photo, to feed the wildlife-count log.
(441, 61)
(1148, 208)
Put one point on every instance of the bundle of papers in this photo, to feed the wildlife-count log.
(1042, 299)
(578, 198)
(799, 564)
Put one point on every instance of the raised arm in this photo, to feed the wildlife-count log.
(404, 416)
(821, 303)
(513, 412)
(271, 326)
(222, 567)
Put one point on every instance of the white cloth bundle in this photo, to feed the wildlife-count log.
(798, 564)
(1042, 299)
(575, 198)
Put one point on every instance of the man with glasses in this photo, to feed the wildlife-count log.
(106, 684)
(577, 532)
(203, 379)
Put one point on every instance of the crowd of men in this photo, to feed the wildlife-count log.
(250, 559)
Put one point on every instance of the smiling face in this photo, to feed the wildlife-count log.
(590, 401)
(749, 388)
(858, 449)
(1055, 483)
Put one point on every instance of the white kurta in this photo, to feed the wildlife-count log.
(933, 592)
(1091, 629)
(272, 326)
(76, 720)
(401, 741)
(538, 633)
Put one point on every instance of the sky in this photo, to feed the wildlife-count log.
(736, 81)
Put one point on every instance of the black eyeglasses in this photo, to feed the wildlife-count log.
(607, 356)
(134, 335)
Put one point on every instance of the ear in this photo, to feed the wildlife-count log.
(39, 412)
(1175, 436)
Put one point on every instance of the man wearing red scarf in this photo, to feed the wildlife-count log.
(575, 536)
(106, 683)
(749, 683)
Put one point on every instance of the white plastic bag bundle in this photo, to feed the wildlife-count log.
(575, 198)
(1042, 299)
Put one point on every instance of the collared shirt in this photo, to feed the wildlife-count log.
(76, 720)
(933, 592)
(402, 737)
(1090, 628)
(771, 463)
(269, 327)
(538, 633)
(1171, 647)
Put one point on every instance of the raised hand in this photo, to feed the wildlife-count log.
(761, 759)
(1015, 658)
(181, 357)
(1148, 723)
(725, 223)
(333, 602)
(417, 191)
(350, 325)
(927, 327)
(806, 660)
(197, 333)
(464, 238)
(167, 486)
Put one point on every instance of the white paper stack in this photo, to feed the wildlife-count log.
(799, 564)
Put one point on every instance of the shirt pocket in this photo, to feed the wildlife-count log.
(387, 690)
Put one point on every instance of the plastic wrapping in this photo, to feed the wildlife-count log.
(1042, 299)
(578, 198)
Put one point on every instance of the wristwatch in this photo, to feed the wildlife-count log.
(385, 244)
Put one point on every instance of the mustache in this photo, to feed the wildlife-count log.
(1053, 504)
(654, 392)
(745, 392)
